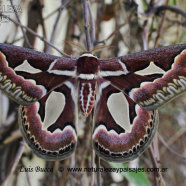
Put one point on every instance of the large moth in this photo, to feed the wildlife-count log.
(75, 86)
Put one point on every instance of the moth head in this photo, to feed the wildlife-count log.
(87, 64)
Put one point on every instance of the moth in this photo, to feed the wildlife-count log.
(79, 86)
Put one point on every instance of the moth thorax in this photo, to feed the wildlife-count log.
(87, 96)
(87, 64)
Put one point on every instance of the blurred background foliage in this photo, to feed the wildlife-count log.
(126, 25)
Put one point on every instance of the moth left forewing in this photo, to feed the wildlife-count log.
(27, 75)
(112, 139)
(49, 125)
(150, 78)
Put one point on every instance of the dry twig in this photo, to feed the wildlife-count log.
(37, 35)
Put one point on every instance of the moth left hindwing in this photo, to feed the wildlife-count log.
(49, 125)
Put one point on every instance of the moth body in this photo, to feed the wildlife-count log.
(87, 68)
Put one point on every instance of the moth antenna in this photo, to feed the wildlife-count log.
(76, 45)
(99, 48)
